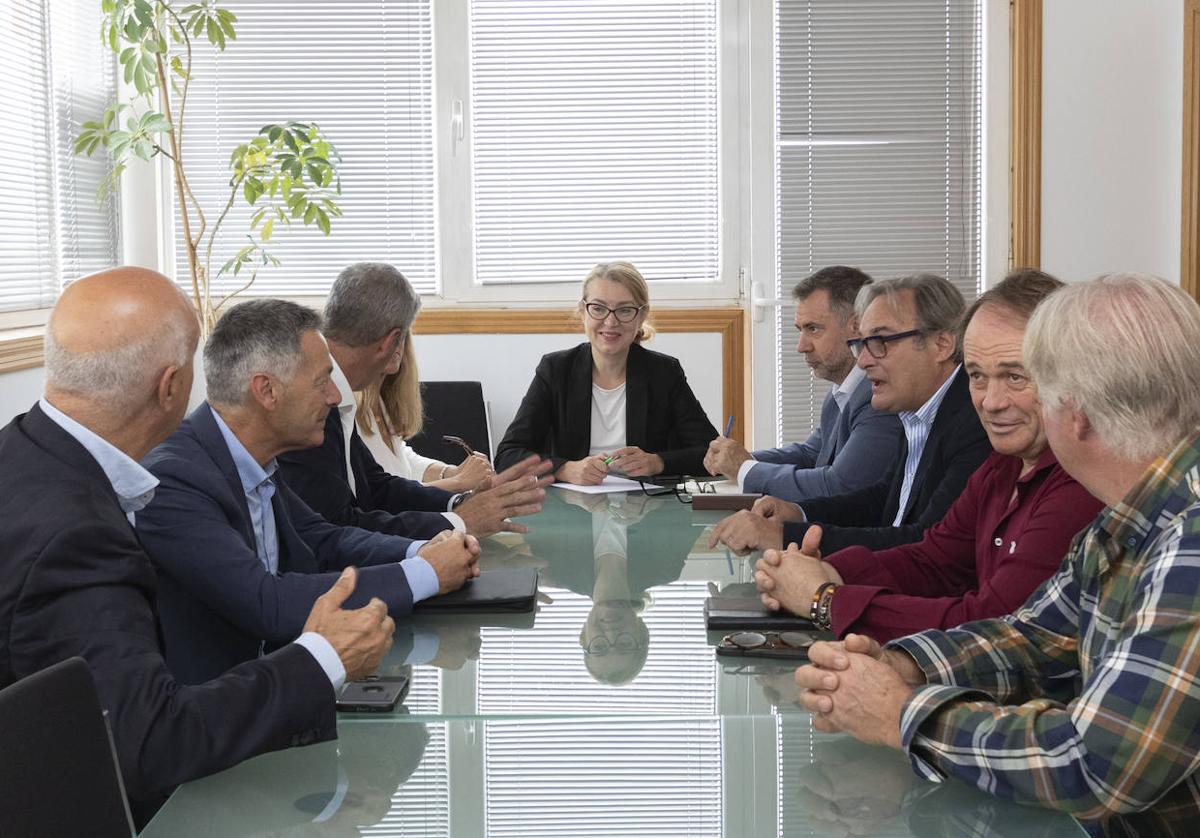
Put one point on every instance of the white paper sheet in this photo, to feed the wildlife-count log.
(609, 484)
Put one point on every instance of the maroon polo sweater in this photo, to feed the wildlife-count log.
(983, 559)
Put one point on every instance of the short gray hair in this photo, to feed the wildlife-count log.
(939, 305)
(252, 337)
(1124, 349)
(367, 301)
(121, 374)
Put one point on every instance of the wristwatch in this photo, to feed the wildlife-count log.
(460, 498)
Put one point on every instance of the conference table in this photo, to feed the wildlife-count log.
(606, 712)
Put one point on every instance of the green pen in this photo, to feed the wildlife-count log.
(608, 460)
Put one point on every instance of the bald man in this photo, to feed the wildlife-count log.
(74, 579)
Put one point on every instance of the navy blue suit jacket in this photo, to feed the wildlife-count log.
(849, 450)
(380, 501)
(957, 445)
(75, 581)
(219, 604)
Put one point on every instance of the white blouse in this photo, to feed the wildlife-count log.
(608, 419)
(403, 462)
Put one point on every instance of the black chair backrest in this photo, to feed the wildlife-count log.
(456, 408)
(58, 769)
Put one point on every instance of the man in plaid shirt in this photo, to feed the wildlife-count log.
(1086, 699)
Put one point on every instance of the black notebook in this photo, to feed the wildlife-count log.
(507, 591)
(721, 613)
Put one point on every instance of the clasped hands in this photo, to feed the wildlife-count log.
(758, 528)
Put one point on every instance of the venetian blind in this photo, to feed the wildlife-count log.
(594, 135)
(878, 124)
(54, 75)
(362, 71)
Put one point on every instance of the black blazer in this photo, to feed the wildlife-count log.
(662, 415)
(957, 445)
(380, 501)
(75, 581)
(218, 603)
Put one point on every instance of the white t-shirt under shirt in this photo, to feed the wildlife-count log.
(608, 419)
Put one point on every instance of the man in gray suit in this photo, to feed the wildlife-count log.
(855, 444)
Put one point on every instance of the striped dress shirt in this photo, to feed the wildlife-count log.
(916, 431)
(1086, 699)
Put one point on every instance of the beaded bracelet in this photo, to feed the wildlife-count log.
(814, 610)
(824, 619)
(445, 468)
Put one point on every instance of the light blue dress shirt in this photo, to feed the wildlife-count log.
(916, 431)
(134, 487)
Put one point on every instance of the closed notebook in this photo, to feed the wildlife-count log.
(721, 613)
(506, 591)
(728, 501)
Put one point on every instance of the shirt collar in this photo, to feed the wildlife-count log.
(339, 380)
(1047, 460)
(249, 471)
(133, 485)
(1159, 495)
(925, 414)
(850, 382)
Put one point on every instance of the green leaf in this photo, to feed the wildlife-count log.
(267, 229)
(322, 220)
(310, 214)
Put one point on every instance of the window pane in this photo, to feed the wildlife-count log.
(594, 133)
(54, 75)
(878, 154)
(364, 73)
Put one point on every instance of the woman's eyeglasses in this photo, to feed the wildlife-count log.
(460, 442)
(683, 490)
(624, 314)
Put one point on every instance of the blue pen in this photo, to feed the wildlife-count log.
(729, 425)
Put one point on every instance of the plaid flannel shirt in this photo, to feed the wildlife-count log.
(1086, 699)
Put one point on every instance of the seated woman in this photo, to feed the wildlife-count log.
(610, 404)
(390, 413)
(1002, 538)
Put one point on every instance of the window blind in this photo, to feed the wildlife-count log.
(594, 135)
(362, 71)
(605, 777)
(523, 672)
(54, 75)
(878, 137)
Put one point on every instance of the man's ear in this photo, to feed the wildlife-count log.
(170, 383)
(946, 344)
(265, 389)
(852, 326)
(1081, 425)
(389, 344)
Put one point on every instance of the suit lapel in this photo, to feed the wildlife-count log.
(204, 426)
(577, 435)
(832, 422)
(637, 397)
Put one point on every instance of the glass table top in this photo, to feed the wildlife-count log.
(605, 713)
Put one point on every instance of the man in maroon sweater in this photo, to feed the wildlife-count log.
(1003, 537)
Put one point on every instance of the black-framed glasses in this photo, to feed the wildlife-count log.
(624, 314)
(877, 345)
(769, 640)
(460, 442)
(684, 495)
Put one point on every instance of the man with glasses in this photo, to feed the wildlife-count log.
(854, 444)
(909, 351)
(1083, 699)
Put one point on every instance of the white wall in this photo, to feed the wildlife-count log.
(505, 365)
(18, 391)
(1112, 134)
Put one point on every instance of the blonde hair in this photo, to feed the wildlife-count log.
(394, 405)
(631, 279)
(1124, 349)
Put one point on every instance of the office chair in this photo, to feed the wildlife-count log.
(456, 408)
(58, 769)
